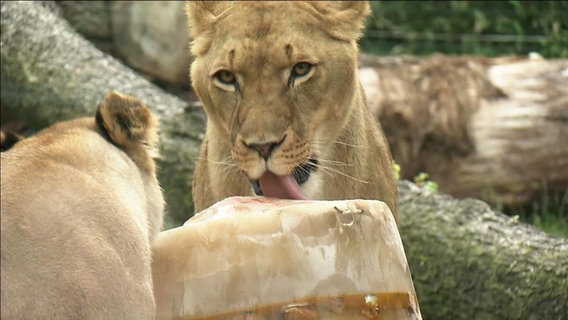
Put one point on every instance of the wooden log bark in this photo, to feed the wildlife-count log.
(468, 262)
(484, 128)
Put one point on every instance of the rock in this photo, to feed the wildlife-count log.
(284, 259)
(152, 37)
(92, 19)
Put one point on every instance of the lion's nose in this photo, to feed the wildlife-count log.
(264, 149)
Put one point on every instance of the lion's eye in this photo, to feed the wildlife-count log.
(301, 69)
(226, 80)
(225, 77)
(300, 73)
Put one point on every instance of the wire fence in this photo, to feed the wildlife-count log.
(489, 28)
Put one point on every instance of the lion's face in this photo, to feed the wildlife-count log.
(279, 90)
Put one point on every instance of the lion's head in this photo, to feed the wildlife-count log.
(278, 81)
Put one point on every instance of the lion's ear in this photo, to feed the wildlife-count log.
(201, 15)
(346, 19)
(130, 125)
(8, 139)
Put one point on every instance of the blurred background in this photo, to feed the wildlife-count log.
(485, 29)
(488, 28)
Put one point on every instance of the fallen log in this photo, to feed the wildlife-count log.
(469, 262)
(480, 127)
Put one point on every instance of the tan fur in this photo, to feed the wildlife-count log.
(80, 205)
(323, 114)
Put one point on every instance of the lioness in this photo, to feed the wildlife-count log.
(287, 116)
(80, 205)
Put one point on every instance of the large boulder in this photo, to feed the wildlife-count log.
(152, 37)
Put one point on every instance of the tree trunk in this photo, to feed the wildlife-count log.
(468, 262)
(484, 128)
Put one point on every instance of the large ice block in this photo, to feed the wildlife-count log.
(263, 258)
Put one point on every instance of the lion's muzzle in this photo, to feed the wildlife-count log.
(284, 187)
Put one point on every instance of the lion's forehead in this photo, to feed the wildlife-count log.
(244, 55)
(264, 19)
(258, 33)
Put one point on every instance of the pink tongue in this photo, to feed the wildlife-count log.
(282, 187)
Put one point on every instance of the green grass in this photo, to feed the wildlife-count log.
(551, 224)
(549, 214)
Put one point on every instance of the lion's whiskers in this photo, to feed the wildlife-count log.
(330, 171)
(228, 163)
(324, 142)
(348, 144)
(326, 166)
(335, 162)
